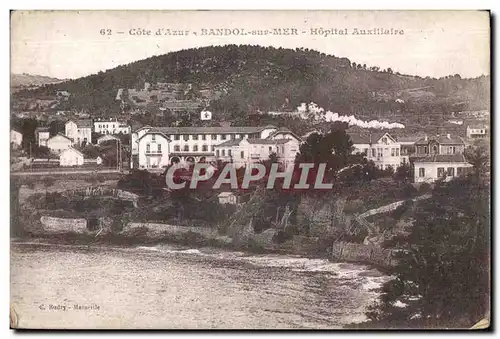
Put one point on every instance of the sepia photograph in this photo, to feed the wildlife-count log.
(250, 170)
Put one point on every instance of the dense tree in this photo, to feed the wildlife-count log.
(443, 272)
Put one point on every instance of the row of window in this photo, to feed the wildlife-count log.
(441, 171)
(435, 150)
(379, 152)
(148, 148)
(185, 137)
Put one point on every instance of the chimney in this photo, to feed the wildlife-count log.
(426, 138)
(448, 136)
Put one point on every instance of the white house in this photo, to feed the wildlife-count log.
(477, 131)
(381, 148)
(16, 138)
(155, 147)
(227, 198)
(71, 157)
(106, 137)
(59, 143)
(79, 131)
(111, 126)
(42, 134)
(433, 167)
(75, 157)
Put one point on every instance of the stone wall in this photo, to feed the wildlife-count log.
(344, 251)
(56, 225)
(157, 229)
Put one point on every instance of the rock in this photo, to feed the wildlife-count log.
(265, 239)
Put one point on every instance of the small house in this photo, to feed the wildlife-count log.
(59, 143)
(16, 138)
(227, 198)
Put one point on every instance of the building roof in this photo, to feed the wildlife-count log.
(60, 135)
(108, 136)
(225, 194)
(284, 130)
(73, 149)
(367, 138)
(447, 158)
(15, 130)
(441, 139)
(409, 138)
(42, 129)
(82, 123)
(257, 141)
(229, 143)
(477, 127)
(210, 130)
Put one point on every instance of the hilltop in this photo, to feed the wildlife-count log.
(250, 79)
(20, 81)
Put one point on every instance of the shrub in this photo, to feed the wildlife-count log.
(425, 188)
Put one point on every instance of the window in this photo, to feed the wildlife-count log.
(373, 152)
(426, 150)
(421, 172)
(213, 148)
(153, 137)
(238, 136)
(242, 154)
(148, 148)
(195, 148)
(460, 171)
(204, 148)
(397, 152)
(223, 153)
(214, 136)
(380, 152)
(186, 148)
(217, 153)
(270, 149)
(195, 136)
(186, 137)
(451, 172)
(223, 137)
(203, 137)
(177, 148)
(393, 152)
(440, 172)
(365, 151)
(177, 137)
(159, 148)
(229, 152)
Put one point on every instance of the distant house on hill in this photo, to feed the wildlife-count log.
(477, 131)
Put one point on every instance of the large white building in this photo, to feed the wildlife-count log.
(241, 152)
(433, 167)
(111, 126)
(157, 147)
(79, 131)
(381, 148)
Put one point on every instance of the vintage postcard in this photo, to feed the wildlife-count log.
(250, 170)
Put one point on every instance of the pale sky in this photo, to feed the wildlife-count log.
(68, 44)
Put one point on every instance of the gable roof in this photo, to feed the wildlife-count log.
(73, 149)
(441, 139)
(367, 137)
(456, 158)
(153, 131)
(82, 123)
(284, 130)
(228, 143)
(60, 135)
